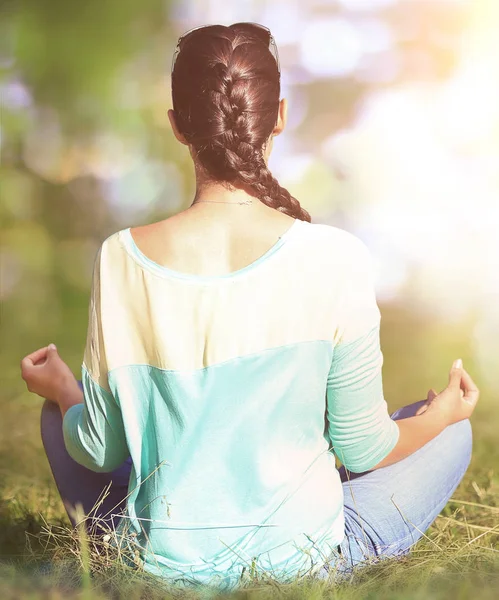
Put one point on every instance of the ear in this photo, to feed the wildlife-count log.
(282, 117)
(173, 123)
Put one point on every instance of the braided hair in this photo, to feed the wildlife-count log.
(225, 90)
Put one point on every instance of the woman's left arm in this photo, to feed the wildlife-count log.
(92, 423)
(47, 375)
(69, 395)
(94, 431)
(93, 428)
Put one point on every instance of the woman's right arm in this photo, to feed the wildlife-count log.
(359, 427)
(455, 403)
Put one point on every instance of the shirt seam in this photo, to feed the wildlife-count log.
(97, 385)
(223, 362)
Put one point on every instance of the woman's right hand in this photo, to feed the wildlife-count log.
(457, 401)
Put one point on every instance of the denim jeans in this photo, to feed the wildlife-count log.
(386, 510)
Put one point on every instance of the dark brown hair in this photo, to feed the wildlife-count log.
(225, 89)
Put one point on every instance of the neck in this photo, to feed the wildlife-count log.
(209, 191)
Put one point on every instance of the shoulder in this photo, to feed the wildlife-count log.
(332, 234)
(114, 241)
(109, 251)
(334, 240)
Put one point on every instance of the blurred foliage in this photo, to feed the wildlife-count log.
(68, 53)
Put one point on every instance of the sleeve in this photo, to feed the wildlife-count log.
(359, 427)
(93, 432)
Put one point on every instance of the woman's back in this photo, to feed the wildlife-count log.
(218, 386)
(217, 241)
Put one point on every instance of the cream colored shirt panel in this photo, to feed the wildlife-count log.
(167, 323)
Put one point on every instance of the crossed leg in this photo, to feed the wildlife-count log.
(76, 483)
(388, 510)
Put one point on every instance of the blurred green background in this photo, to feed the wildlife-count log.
(393, 134)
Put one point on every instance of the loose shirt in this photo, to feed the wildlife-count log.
(232, 394)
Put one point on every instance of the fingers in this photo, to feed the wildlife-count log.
(455, 374)
(31, 359)
(471, 391)
(429, 399)
(422, 409)
(431, 394)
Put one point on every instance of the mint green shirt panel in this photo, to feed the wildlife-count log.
(244, 461)
(93, 431)
(359, 426)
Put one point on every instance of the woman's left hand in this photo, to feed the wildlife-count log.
(45, 373)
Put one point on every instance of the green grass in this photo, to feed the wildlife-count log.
(454, 560)
(41, 556)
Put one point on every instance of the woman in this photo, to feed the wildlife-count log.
(232, 351)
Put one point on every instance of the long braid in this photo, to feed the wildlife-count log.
(233, 112)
